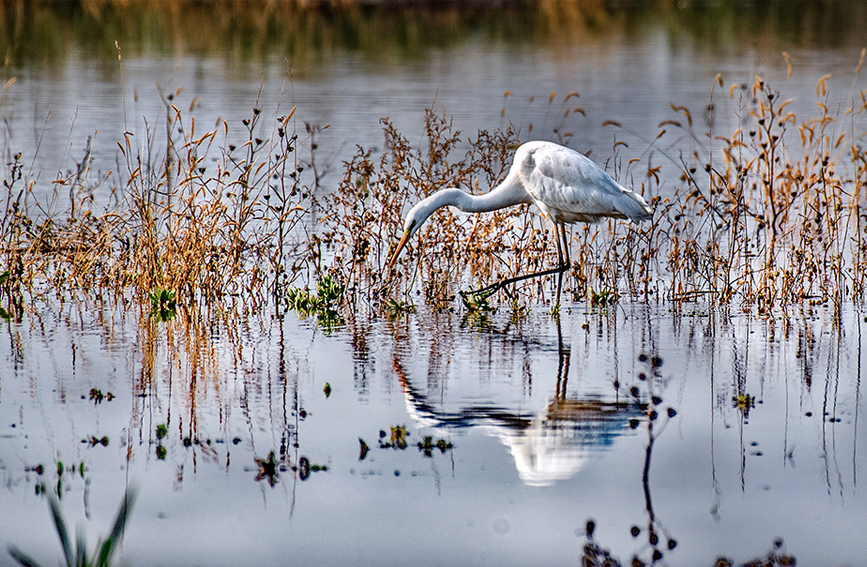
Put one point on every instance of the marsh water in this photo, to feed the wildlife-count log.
(487, 442)
(438, 438)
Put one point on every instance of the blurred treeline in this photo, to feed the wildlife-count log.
(44, 33)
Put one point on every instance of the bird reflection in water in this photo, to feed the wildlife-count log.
(548, 446)
(554, 443)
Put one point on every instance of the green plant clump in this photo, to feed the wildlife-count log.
(325, 304)
(164, 306)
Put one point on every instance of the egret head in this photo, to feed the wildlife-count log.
(414, 219)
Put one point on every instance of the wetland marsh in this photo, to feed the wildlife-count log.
(198, 205)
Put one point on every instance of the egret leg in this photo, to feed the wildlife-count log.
(558, 228)
(562, 265)
(562, 250)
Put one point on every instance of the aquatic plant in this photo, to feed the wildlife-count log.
(518, 310)
(62, 472)
(427, 445)
(164, 306)
(602, 298)
(363, 449)
(325, 304)
(744, 403)
(4, 277)
(395, 309)
(594, 555)
(161, 432)
(478, 310)
(776, 218)
(476, 302)
(77, 555)
(765, 216)
(396, 438)
(268, 469)
(97, 396)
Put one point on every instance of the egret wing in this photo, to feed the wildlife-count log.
(570, 187)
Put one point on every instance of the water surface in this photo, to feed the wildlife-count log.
(346, 70)
(756, 435)
(543, 425)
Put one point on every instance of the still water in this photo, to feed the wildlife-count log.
(434, 439)
(346, 71)
(534, 426)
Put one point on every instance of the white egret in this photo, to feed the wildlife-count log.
(566, 186)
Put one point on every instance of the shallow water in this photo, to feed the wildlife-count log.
(536, 437)
(346, 72)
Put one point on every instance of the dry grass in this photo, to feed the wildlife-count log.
(185, 221)
(765, 216)
(771, 214)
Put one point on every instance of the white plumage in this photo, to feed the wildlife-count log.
(566, 185)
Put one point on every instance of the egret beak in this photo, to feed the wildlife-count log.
(397, 250)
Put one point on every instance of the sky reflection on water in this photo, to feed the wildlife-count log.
(540, 439)
(765, 439)
(628, 65)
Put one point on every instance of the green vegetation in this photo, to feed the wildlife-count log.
(395, 309)
(77, 555)
(476, 302)
(325, 304)
(427, 445)
(4, 278)
(62, 472)
(602, 298)
(164, 307)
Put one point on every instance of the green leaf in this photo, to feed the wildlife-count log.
(21, 557)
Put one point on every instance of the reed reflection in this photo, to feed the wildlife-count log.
(652, 391)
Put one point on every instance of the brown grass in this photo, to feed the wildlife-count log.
(205, 231)
(765, 216)
(771, 216)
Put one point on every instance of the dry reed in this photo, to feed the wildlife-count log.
(765, 216)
